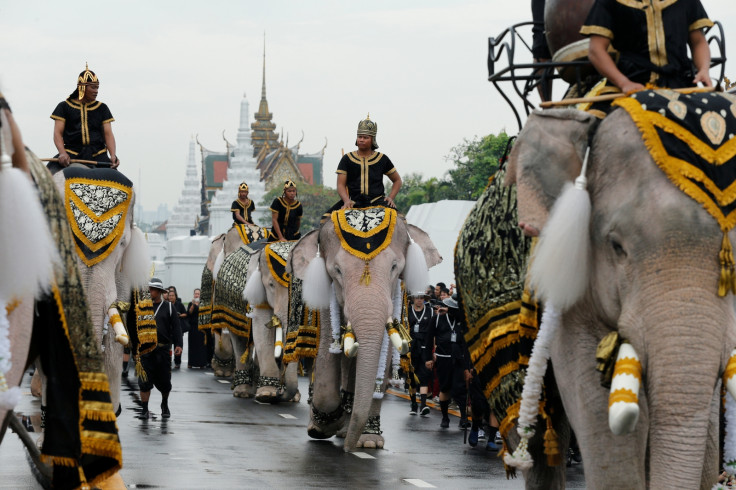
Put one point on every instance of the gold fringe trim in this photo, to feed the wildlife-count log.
(271, 255)
(730, 369)
(340, 223)
(628, 365)
(244, 357)
(94, 381)
(551, 444)
(727, 280)
(59, 461)
(622, 395)
(139, 371)
(11, 306)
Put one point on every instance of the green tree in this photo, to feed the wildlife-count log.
(474, 161)
(315, 199)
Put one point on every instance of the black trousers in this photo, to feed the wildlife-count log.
(157, 366)
(451, 375)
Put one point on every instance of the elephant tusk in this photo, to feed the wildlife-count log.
(729, 375)
(350, 346)
(623, 402)
(121, 335)
(401, 345)
(279, 343)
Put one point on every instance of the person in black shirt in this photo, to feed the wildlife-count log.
(181, 312)
(447, 332)
(652, 40)
(286, 215)
(242, 207)
(157, 363)
(420, 319)
(82, 128)
(360, 173)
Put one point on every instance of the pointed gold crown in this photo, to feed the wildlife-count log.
(243, 186)
(289, 183)
(87, 77)
(368, 127)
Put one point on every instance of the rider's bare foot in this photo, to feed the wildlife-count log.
(528, 230)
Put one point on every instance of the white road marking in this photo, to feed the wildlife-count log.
(419, 483)
(261, 403)
(224, 381)
(287, 415)
(363, 455)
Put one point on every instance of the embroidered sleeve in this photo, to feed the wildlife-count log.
(106, 114)
(59, 113)
(342, 167)
(697, 18)
(388, 166)
(600, 20)
(235, 206)
(275, 206)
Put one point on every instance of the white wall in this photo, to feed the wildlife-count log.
(184, 262)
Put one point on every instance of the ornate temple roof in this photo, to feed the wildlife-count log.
(263, 134)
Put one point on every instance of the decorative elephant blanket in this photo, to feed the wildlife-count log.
(81, 435)
(691, 139)
(97, 202)
(302, 332)
(277, 253)
(229, 310)
(252, 233)
(204, 319)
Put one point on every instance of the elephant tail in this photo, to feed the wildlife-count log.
(137, 260)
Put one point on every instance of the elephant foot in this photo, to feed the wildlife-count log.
(267, 394)
(324, 425)
(36, 384)
(296, 398)
(370, 441)
(243, 391)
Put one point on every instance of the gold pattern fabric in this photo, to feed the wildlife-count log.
(302, 331)
(365, 233)
(277, 253)
(81, 436)
(252, 233)
(229, 309)
(204, 319)
(97, 203)
(691, 139)
(605, 356)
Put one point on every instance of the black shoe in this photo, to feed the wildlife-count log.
(424, 411)
(178, 366)
(575, 455)
(445, 422)
(165, 412)
(125, 373)
(413, 410)
(463, 424)
(145, 415)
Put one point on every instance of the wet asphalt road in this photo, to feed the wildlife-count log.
(214, 440)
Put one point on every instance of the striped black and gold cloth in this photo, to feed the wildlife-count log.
(204, 319)
(490, 263)
(302, 332)
(229, 309)
(252, 233)
(81, 435)
(690, 137)
(277, 254)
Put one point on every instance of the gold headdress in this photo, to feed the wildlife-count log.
(369, 128)
(243, 186)
(289, 183)
(87, 77)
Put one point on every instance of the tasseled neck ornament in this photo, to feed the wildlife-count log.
(364, 233)
(691, 139)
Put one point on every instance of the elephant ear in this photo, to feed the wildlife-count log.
(548, 153)
(302, 254)
(431, 254)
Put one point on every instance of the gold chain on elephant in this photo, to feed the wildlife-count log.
(324, 418)
(242, 377)
(346, 401)
(373, 425)
(223, 363)
(269, 381)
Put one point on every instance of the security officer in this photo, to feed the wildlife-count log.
(420, 317)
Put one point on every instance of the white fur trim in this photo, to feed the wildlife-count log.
(416, 272)
(137, 259)
(729, 442)
(28, 250)
(218, 263)
(316, 284)
(9, 397)
(381, 371)
(532, 389)
(335, 347)
(560, 266)
(622, 416)
(254, 292)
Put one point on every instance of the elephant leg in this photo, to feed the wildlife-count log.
(327, 414)
(371, 437)
(243, 382)
(712, 453)
(347, 392)
(222, 358)
(263, 339)
(291, 382)
(20, 325)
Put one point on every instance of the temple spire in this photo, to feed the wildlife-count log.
(263, 87)
(263, 128)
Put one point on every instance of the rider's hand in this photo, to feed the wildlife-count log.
(347, 204)
(64, 159)
(630, 87)
(704, 78)
(390, 202)
(115, 162)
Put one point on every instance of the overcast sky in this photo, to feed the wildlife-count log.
(172, 69)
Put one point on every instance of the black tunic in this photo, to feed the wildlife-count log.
(440, 332)
(289, 218)
(84, 136)
(168, 328)
(651, 37)
(365, 175)
(246, 209)
(419, 326)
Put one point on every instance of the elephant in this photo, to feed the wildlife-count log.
(652, 277)
(365, 286)
(267, 291)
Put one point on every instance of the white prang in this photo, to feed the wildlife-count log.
(622, 415)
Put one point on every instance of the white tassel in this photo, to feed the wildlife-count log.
(335, 347)
(398, 300)
(316, 284)
(9, 397)
(28, 250)
(559, 271)
(137, 259)
(378, 390)
(218, 263)
(254, 292)
(532, 390)
(416, 272)
(729, 442)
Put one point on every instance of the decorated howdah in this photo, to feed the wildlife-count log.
(252, 233)
(97, 203)
(229, 311)
(302, 332)
(277, 253)
(691, 139)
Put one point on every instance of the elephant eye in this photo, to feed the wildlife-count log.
(337, 270)
(618, 249)
(394, 266)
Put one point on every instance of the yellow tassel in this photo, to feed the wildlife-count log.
(552, 445)
(82, 480)
(244, 357)
(139, 371)
(727, 281)
(366, 277)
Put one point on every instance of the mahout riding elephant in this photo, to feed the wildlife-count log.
(112, 254)
(364, 253)
(660, 222)
(267, 292)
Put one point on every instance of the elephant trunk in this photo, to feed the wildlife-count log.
(684, 344)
